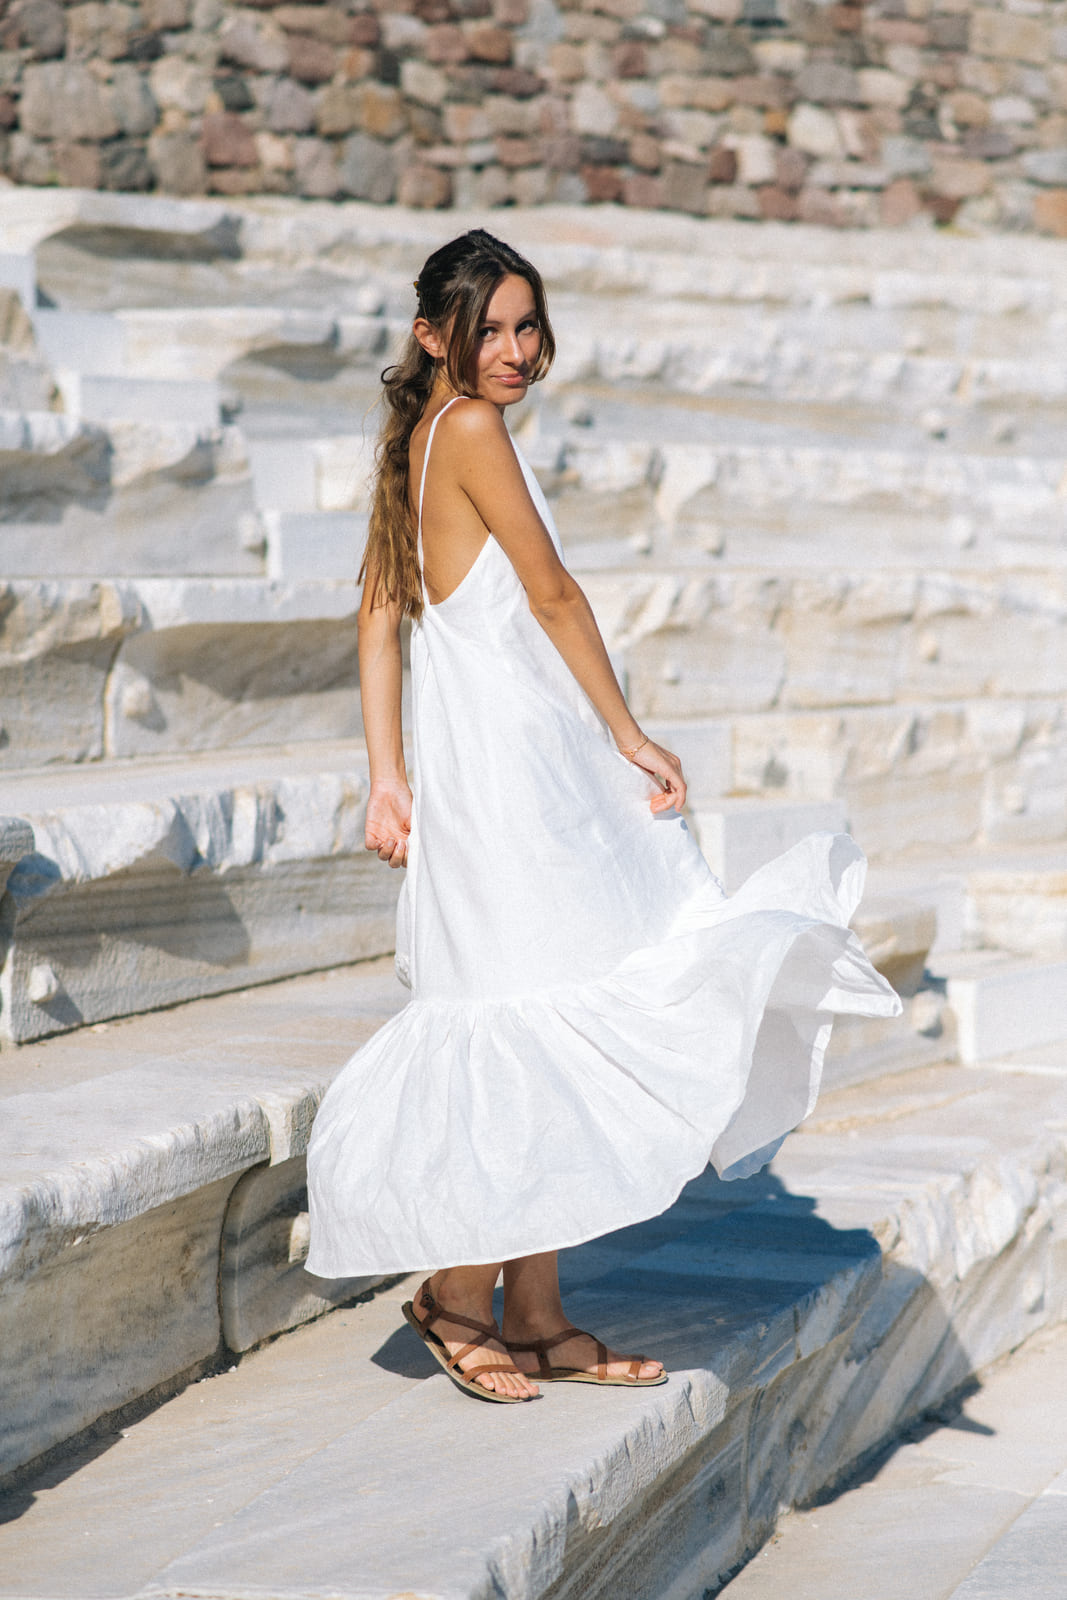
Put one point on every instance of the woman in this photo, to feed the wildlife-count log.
(591, 1019)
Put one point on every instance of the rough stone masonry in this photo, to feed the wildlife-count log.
(841, 113)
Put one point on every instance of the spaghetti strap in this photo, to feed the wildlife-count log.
(426, 463)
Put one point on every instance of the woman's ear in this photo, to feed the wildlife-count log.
(429, 338)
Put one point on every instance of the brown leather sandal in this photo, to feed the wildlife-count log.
(550, 1374)
(439, 1350)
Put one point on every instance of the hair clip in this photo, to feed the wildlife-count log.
(415, 286)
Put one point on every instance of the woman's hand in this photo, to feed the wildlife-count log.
(667, 770)
(388, 823)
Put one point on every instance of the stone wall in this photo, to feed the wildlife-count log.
(843, 113)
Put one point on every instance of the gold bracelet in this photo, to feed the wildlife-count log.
(629, 754)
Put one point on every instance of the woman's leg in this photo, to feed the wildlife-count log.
(533, 1310)
(469, 1292)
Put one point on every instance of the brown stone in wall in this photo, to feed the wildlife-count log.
(445, 44)
(365, 30)
(777, 204)
(165, 14)
(311, 60)
(1050, 212)
(8, 111)
(512, 152)
(326, 22)
(427, 188)
(235, 180)
(629, 60)
(722, 167)
(602, 183)
(645, 153)
(641, 189)
(381, 110)
(486, 43)
(517, 81)
(791, 168)
(899, 203)
(227, 141)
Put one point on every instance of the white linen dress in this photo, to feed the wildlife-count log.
(592, 1020)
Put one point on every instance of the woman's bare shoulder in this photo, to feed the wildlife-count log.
(474, 420)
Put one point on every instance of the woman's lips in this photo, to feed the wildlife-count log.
(514, 380)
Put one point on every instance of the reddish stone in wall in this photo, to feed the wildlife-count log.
(490, 44)
(722, 168)
(227, 142)
(311, 60)
(602, 183)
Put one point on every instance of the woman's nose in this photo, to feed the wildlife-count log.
(513, 348)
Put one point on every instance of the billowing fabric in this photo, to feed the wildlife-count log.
(592, 1020)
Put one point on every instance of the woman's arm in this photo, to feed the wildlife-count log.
(487, 469)
(388, 822)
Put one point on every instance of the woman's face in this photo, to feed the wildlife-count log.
(509, 343)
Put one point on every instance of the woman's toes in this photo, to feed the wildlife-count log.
(650, 1369)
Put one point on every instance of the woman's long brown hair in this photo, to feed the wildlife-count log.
(454, 289)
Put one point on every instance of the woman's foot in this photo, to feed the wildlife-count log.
(452, 1294)
(541, 1352)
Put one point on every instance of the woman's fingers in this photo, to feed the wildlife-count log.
(664, 766)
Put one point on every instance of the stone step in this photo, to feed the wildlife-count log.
(89, 250)
(79, 497)
(778, 506)
(753, 504)
(151, 883)
(1003, 1003)
(933, 705)
(194, 401)
(129, 668)
(1014, 899)
(151, 1198)
(26, 382)
(969, 1505)
(797, 1345)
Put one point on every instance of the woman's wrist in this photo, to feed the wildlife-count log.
(390, 784)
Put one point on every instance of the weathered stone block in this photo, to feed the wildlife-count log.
(186, 895)
(57, 644)
(263, 1286)
(88, 1329)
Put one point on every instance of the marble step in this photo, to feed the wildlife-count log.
(905, 1239)
(970, 1505)
(151, 1205)
(148, 883)
(805, 359)
(1010, 898)
(130, 668)
(1003, 1003)
(87, 248)
(754, 504)
(81, 497)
